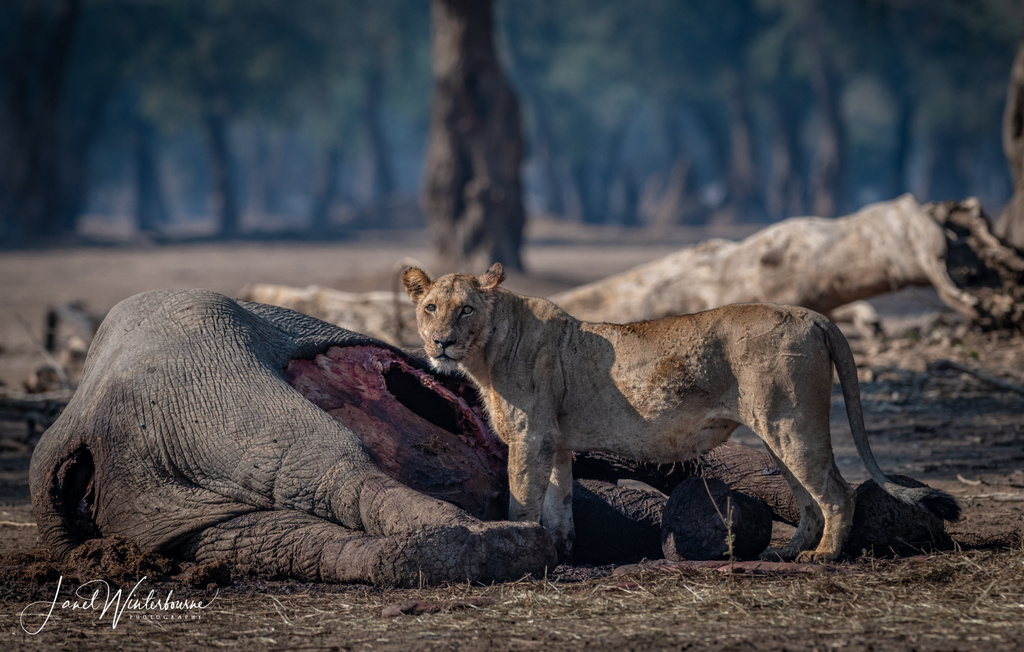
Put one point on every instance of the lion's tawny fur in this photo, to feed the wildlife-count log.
(659, 391)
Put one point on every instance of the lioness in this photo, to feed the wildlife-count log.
(658, 391)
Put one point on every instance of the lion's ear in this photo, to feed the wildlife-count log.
(416, 283)
(492, 278)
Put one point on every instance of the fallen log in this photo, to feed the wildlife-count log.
(986, 267)
(36, 412)
(828, 265)
(823, 264)
(387, 316)
(68, 331)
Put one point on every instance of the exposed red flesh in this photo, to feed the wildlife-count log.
(421, 432)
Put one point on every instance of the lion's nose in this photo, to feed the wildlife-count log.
(445, 343)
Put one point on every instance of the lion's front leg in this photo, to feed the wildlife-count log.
(540, 486)
(530, 459)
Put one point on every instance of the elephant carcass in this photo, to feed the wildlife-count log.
(207, 429)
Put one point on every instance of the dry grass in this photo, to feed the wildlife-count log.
(977, 596)
(959, 600)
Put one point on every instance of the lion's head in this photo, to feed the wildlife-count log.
(453, 313)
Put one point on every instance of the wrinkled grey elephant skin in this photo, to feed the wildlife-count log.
(185, 438)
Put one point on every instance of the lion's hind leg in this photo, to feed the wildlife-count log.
(826, 500)
(811, 525)
(556, 514)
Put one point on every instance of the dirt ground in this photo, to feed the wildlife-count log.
(942, 425)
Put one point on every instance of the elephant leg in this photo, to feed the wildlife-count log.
(387, 507)
(302, 546)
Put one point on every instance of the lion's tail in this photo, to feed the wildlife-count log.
(935, 501)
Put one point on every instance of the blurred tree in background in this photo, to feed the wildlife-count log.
(472, 193)
(1010, 225)
(237, 117)
(38, 40)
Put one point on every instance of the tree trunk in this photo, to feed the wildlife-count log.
(945, 169)
(259, 174)
(544, 150)
(264, 193)
(630, 215)
(30, 206)
(901, 146)
(380, 179)
(544, 145)
(676, 203)
(828, 176)
(743, 172)
(325, 190)
(827, 180)
(1010, 226)
(150, 205)
(223, 198)
(605, 175)
(786, 196)
(710, 123)
(472, 191)
(580, 191)
(80, 126)
(551, 172)
(668, 111)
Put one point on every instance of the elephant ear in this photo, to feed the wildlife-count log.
(492, 278)
(416, 283)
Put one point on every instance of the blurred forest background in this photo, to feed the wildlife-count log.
(246, 118)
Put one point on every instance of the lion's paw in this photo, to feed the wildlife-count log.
(816, 556)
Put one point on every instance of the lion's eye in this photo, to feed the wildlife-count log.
(467, 310)
(430, 308)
